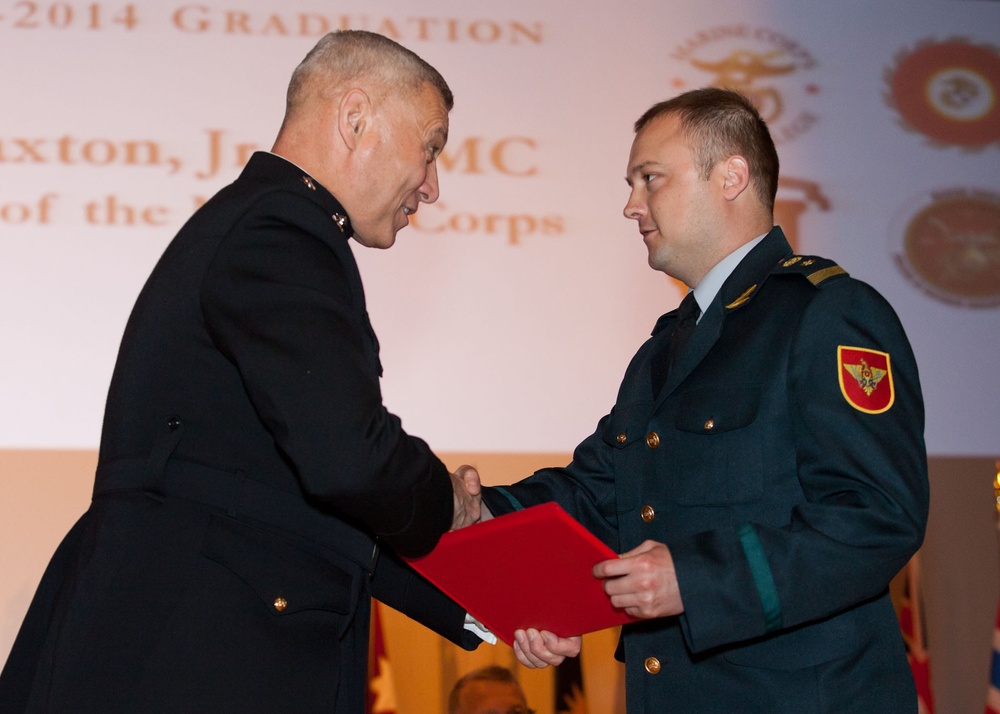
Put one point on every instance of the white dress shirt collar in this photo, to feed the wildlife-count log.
(710, 285)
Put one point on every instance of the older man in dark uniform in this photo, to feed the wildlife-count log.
(763, 471)
(248, 470)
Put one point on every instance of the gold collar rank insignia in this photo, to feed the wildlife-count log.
(865, 379)
(742, 298)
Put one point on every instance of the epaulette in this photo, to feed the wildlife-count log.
(811, 267)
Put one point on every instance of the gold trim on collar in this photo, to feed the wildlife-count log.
(742, 298)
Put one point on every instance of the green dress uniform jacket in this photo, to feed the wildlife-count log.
(788, 489)
(248, 475)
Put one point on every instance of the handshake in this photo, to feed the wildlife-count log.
(467, 488)
(532, 648)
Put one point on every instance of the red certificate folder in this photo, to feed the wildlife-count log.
(530, 568)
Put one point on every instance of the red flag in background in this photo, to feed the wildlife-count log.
(381, 689)
(569, 697)
(993, 692)
(912, 625)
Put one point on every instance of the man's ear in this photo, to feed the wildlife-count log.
(735, 176)
(353, 116)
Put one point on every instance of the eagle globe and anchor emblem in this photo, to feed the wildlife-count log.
(741, 69)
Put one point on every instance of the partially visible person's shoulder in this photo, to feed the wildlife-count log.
(817, 270)
(831, 288)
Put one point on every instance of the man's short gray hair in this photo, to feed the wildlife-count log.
(342, 56)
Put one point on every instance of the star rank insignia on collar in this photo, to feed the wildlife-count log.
(341, 220)
(865, 379)
(307, 180)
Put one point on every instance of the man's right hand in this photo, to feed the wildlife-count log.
(537, 650)
(467, 489)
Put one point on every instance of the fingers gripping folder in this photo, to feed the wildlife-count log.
(530, 568)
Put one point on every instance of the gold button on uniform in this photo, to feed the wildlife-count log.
(652, 665)
(652, 440)
(280, 603)
(648, 514)
(622, 438)
(709, 425)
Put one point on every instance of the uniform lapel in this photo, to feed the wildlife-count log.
(739, 288)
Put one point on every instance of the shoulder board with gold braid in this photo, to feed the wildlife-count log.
(811, 267)
(815, 269)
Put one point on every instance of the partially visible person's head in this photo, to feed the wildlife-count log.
(340, 59)
(703, 174)
(719, 123)
(489, 690)
(368, 118)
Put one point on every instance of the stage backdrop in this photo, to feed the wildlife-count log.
(508, 310)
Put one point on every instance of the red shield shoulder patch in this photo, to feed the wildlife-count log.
(865, 379)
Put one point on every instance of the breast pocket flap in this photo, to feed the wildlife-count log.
(716, 411)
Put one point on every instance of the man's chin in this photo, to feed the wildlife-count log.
(380, 241)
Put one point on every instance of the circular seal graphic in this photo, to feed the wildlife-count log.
(950, 91)
(950, 248)
(767, 66)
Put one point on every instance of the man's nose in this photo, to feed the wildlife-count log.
(634, 208)
(429, 190)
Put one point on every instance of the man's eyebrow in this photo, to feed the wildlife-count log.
(637, 170)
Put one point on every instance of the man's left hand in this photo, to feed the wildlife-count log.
(643, 581)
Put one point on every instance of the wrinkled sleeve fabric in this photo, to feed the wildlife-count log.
(403, 589)
(585, 489)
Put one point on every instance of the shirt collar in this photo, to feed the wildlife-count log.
(710, 285)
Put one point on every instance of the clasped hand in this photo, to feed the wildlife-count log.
(467, 489)
(532, 648)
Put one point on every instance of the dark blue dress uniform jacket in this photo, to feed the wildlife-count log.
(786, 508)
(247, 471)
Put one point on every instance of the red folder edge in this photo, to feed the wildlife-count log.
(530, 568)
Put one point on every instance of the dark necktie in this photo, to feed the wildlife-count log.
(687, 318)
